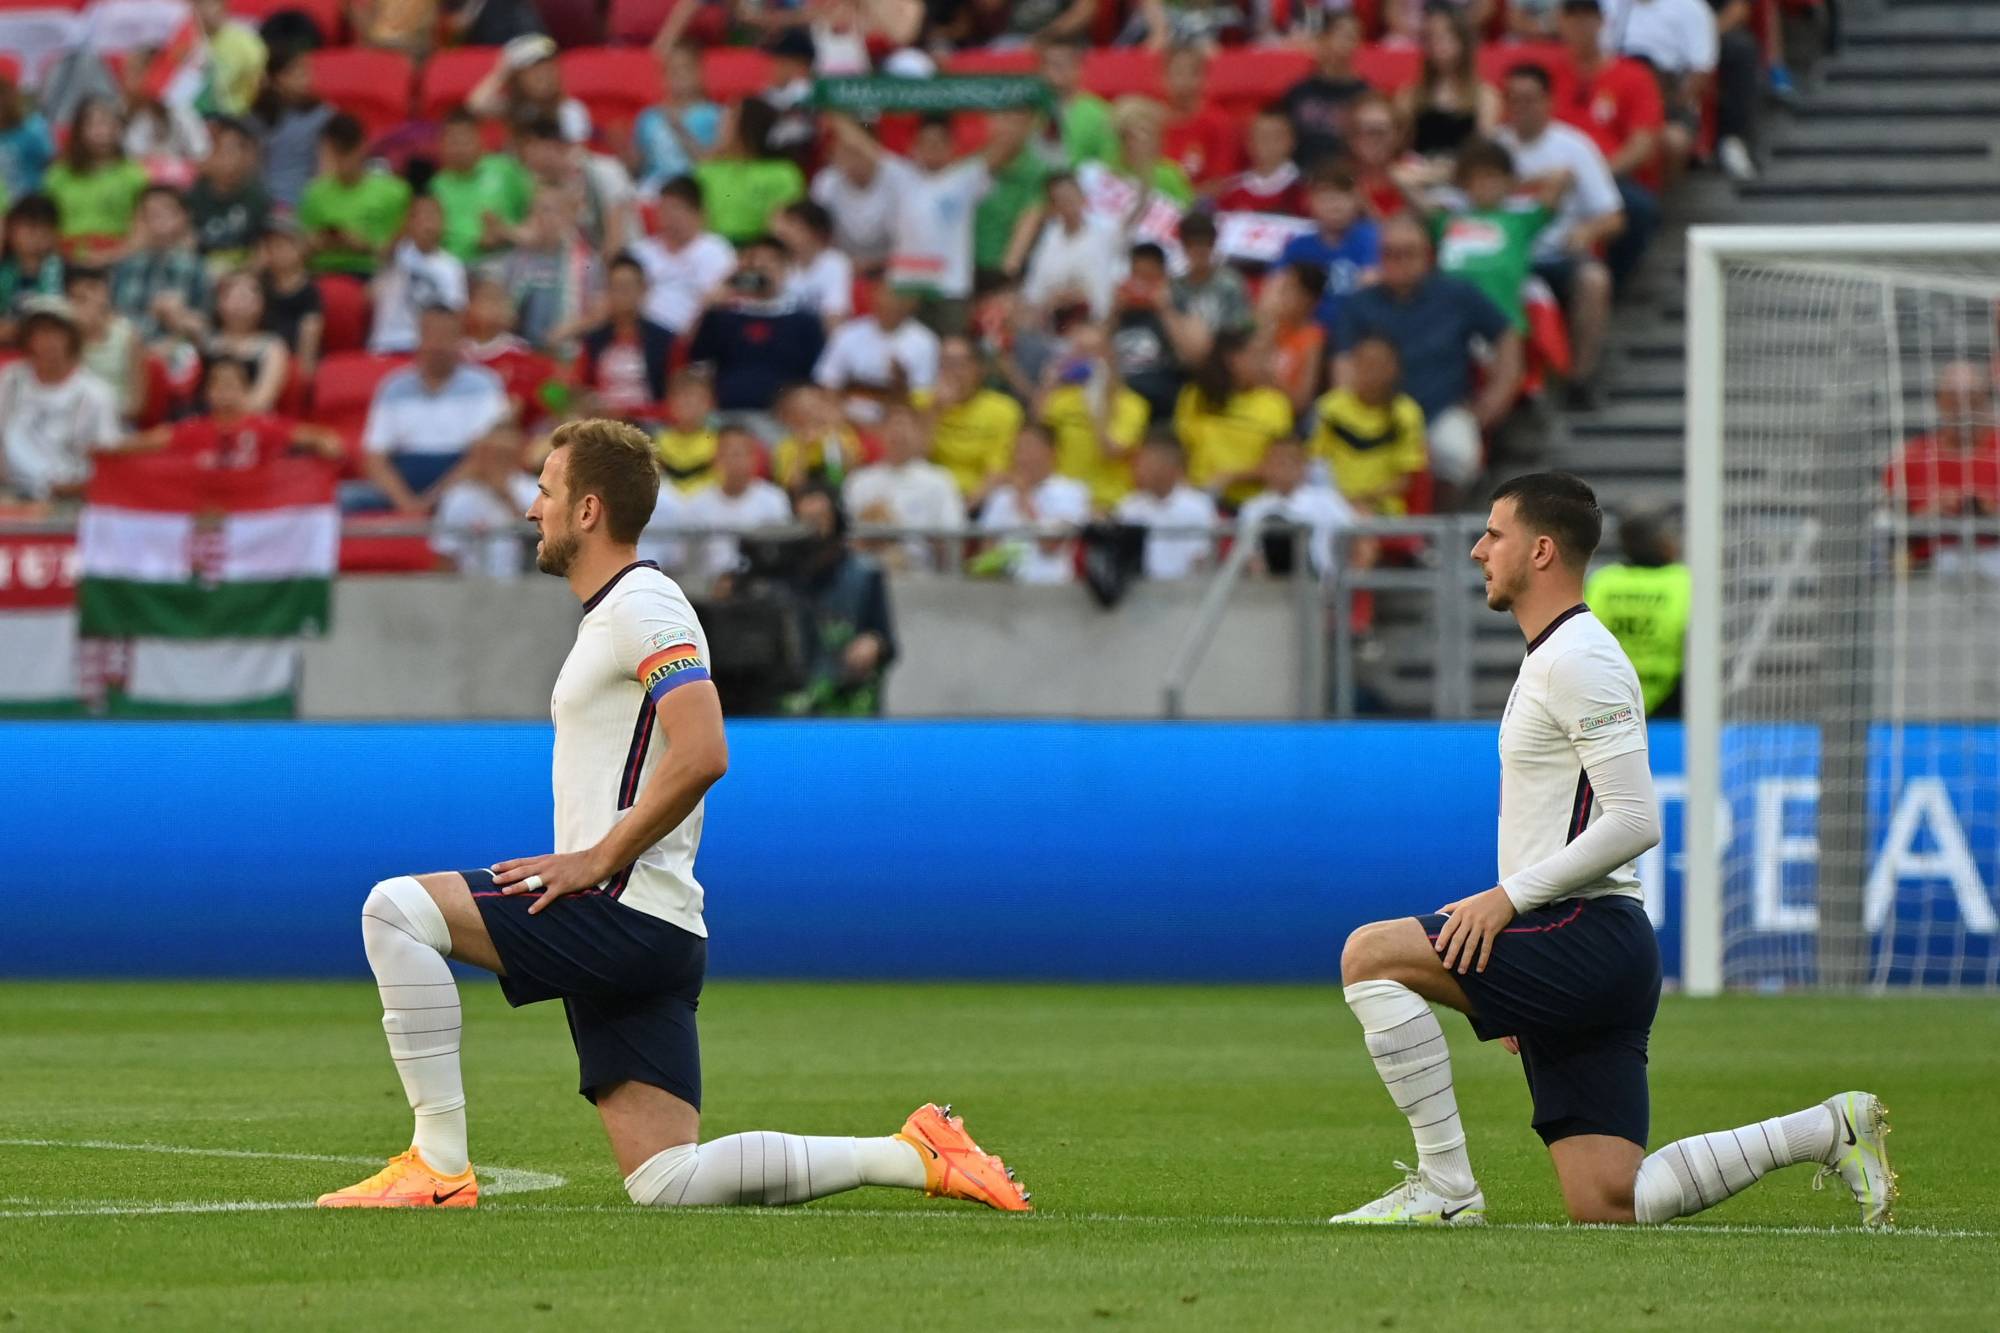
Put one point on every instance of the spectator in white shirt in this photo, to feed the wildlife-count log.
(479, 525)
(53, 413)
(1076, 253)
(907, 490)
(686, 263)
(420, 273)
(822, 277)
(936, 196)
(880, 356)
(861, 198)
(740, 501)
(1289, 497)
(1163, 500)
(426, 416)
(1590, 213)
(1034, 496)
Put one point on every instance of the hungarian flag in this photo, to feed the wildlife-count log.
(38, 639)
(212, 575)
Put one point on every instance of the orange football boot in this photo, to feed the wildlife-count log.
(407, 1182)
(957, 1168)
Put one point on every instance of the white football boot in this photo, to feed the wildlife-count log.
(1860, 1155)
(1415, 1204)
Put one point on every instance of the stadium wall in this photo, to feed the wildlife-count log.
(1185, 852)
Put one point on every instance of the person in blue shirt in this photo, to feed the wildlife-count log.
(1344, 245)
(758, 339)
(26, 147)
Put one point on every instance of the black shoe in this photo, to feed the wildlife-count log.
(1583, 396)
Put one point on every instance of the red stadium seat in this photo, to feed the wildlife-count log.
(372, 544)
(1388, 69)
(1122, 71)
(1496, 58)
(329, 15)
(616, 83)
(342, 391)
(40, 4)
(1246, 78)
(345, 304)
(733, 73)
(373, 86)
(980, 60)
(449, 76)
(636, 22)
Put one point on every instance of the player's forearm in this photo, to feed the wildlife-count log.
(1628, 827)
(669, 797)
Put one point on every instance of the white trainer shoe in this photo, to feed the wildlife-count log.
(1737, 164)
(1860, 1155)
(1415, 1204)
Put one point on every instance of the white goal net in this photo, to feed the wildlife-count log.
(1843, 733)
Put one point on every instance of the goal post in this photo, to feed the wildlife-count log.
(1842, 686)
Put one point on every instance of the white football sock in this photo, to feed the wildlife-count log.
(1696, 1173)
(1409, 1052)
(406, 939)
(763, 1167)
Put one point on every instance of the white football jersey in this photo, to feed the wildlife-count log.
(639, 640)
(1575, 703)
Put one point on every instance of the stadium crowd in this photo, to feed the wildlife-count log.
(1168, 264)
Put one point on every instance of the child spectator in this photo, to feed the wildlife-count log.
(1271, 182)
(1204, 140)
(1490, 239)
(907, 490)
(478, 526)
(351, 212)
(420, 273)
(236, 59)
(490, 341)
(1075, 254)
(1317, 106)
(54, 414)
(552, 272)
(972, 427)
(686, 443)
(757, 338)
(161, 284)
(293, 308)
(739, 501)
(1032, 495)
(526, 81)
(1370, 434)
(1289, 341)
(1227, 418)
(1343, 245)
(1291, 496)
(112, 348)
(822, 277)
(26, 146)
(671, 138)
(1095, 419)
(742, 182)
(95, 186)
(484, 195)
(819, 447)
(290, 118)
(240, 336)
(686, 262)
(1209, 297)
(233, 433)
(29, 263)
(227, 203)
(1146, 332)
(1162, 499)
(624, 362)
(882, 355)
(167, 138)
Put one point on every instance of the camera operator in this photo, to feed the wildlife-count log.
(758, 339)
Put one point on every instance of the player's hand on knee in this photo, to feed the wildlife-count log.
(1511, 1045)
(1471, 926)
(553, 876)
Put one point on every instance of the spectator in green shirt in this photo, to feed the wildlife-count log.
(350, 213)
(1489, 239)
(1083, 120)
(95, 186)
(1644, 602)
(1016, 188)
(483, 194)
(1142, 124)
(742, 185)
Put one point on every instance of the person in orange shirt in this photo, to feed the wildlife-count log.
(1293, 342)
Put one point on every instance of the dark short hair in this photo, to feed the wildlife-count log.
(1164, 439)
(542, 126)
(811, 215)
(625, 259)
(1559, 506)
(1646, 540)
(935, 120)
(1311, 278)
(1198, 227)
(80, 273)
(613, 461)
(1148, 250)
(343, 132)
(1330, 176)
(1381, 340)
(460, 115)
(1534, 74)
(1056, 178)
(1590, 7)
(152, 192)
(1482, 154)
(684, 188)
(35, 209)
(236, 125)
(764, 240)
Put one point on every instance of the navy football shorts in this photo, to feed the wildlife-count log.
(1578, 982)
(629, 983)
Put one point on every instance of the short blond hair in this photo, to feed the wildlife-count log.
(614, 461)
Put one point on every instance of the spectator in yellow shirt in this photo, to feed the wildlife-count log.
(236, 58)
(972, 427)
(1096, 422)
(686, 444)
(1370, 435)
(819, 447)
(1227, 418)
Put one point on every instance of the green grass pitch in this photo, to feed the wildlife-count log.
(1184, 1145)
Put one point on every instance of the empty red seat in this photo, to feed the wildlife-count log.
(326, 14)
(373, 86)
(1122, 71)
(449, 76)
(1388, 69)
(344, 303)
(733, 73)
(616, 83)
(1245, 78)
(1496, 58)
(380, 544)
(979, 60)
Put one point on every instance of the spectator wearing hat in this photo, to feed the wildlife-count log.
(794, 130)
(526, 82)
(53, 413)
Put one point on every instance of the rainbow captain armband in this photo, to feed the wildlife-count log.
(675, 660)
